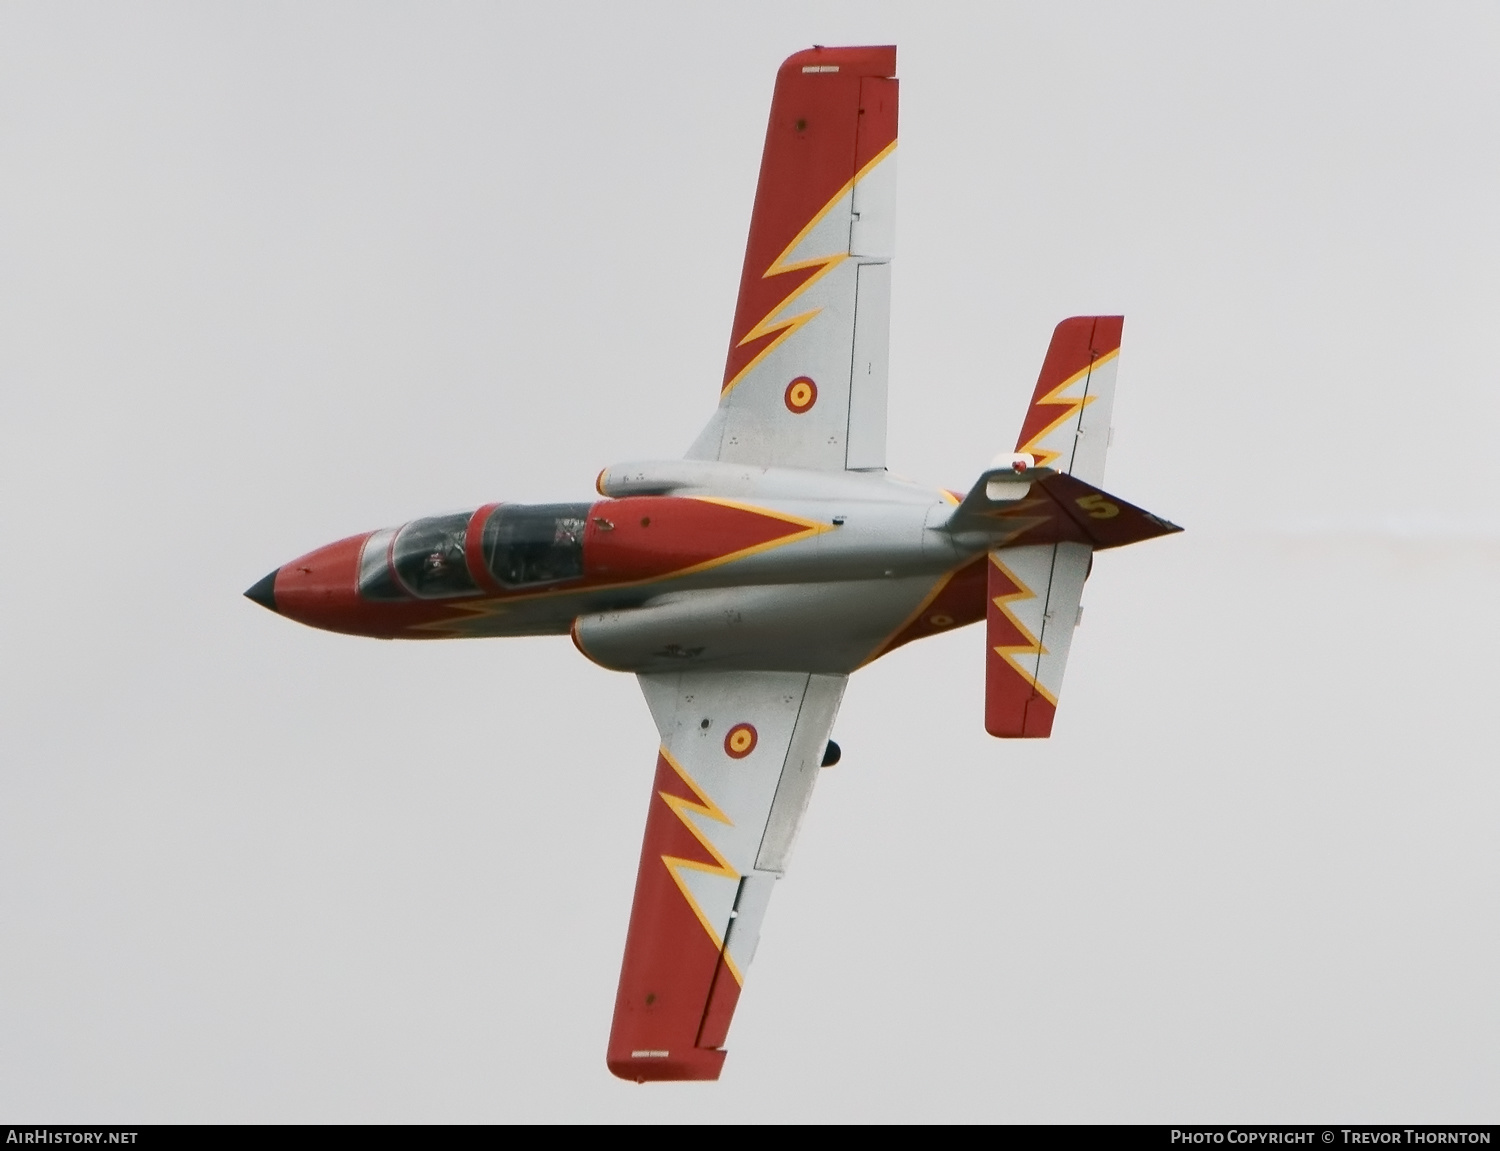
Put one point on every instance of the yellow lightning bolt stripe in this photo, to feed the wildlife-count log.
(684, 809)
(482, 609)
(477, 609)
(809, 528)
(1033, 645)
(787, 328)
(1071, 406)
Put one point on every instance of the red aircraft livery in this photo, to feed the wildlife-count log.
(745, 582)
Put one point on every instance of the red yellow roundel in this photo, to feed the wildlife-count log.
(740, 741)
(801, 394)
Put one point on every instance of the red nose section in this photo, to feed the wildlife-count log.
(322, 588)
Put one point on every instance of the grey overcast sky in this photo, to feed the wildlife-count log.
(274, 273)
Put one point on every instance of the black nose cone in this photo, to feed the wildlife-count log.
(264, 592)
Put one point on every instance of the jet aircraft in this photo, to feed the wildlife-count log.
(745, 582)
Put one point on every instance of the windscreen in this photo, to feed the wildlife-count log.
(429, 557)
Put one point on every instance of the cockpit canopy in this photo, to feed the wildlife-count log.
(513, 545)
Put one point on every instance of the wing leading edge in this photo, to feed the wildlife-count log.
(805, 378)
(740, 754)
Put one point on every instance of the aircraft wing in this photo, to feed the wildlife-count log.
(805, 380)
(740, 752)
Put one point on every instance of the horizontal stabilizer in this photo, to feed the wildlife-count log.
(1034, 595)
(1067, 423)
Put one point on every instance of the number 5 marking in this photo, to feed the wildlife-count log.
(1098, 507)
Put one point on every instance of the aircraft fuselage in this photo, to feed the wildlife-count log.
(681, 564)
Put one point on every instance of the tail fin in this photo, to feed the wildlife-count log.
(1067, 424)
